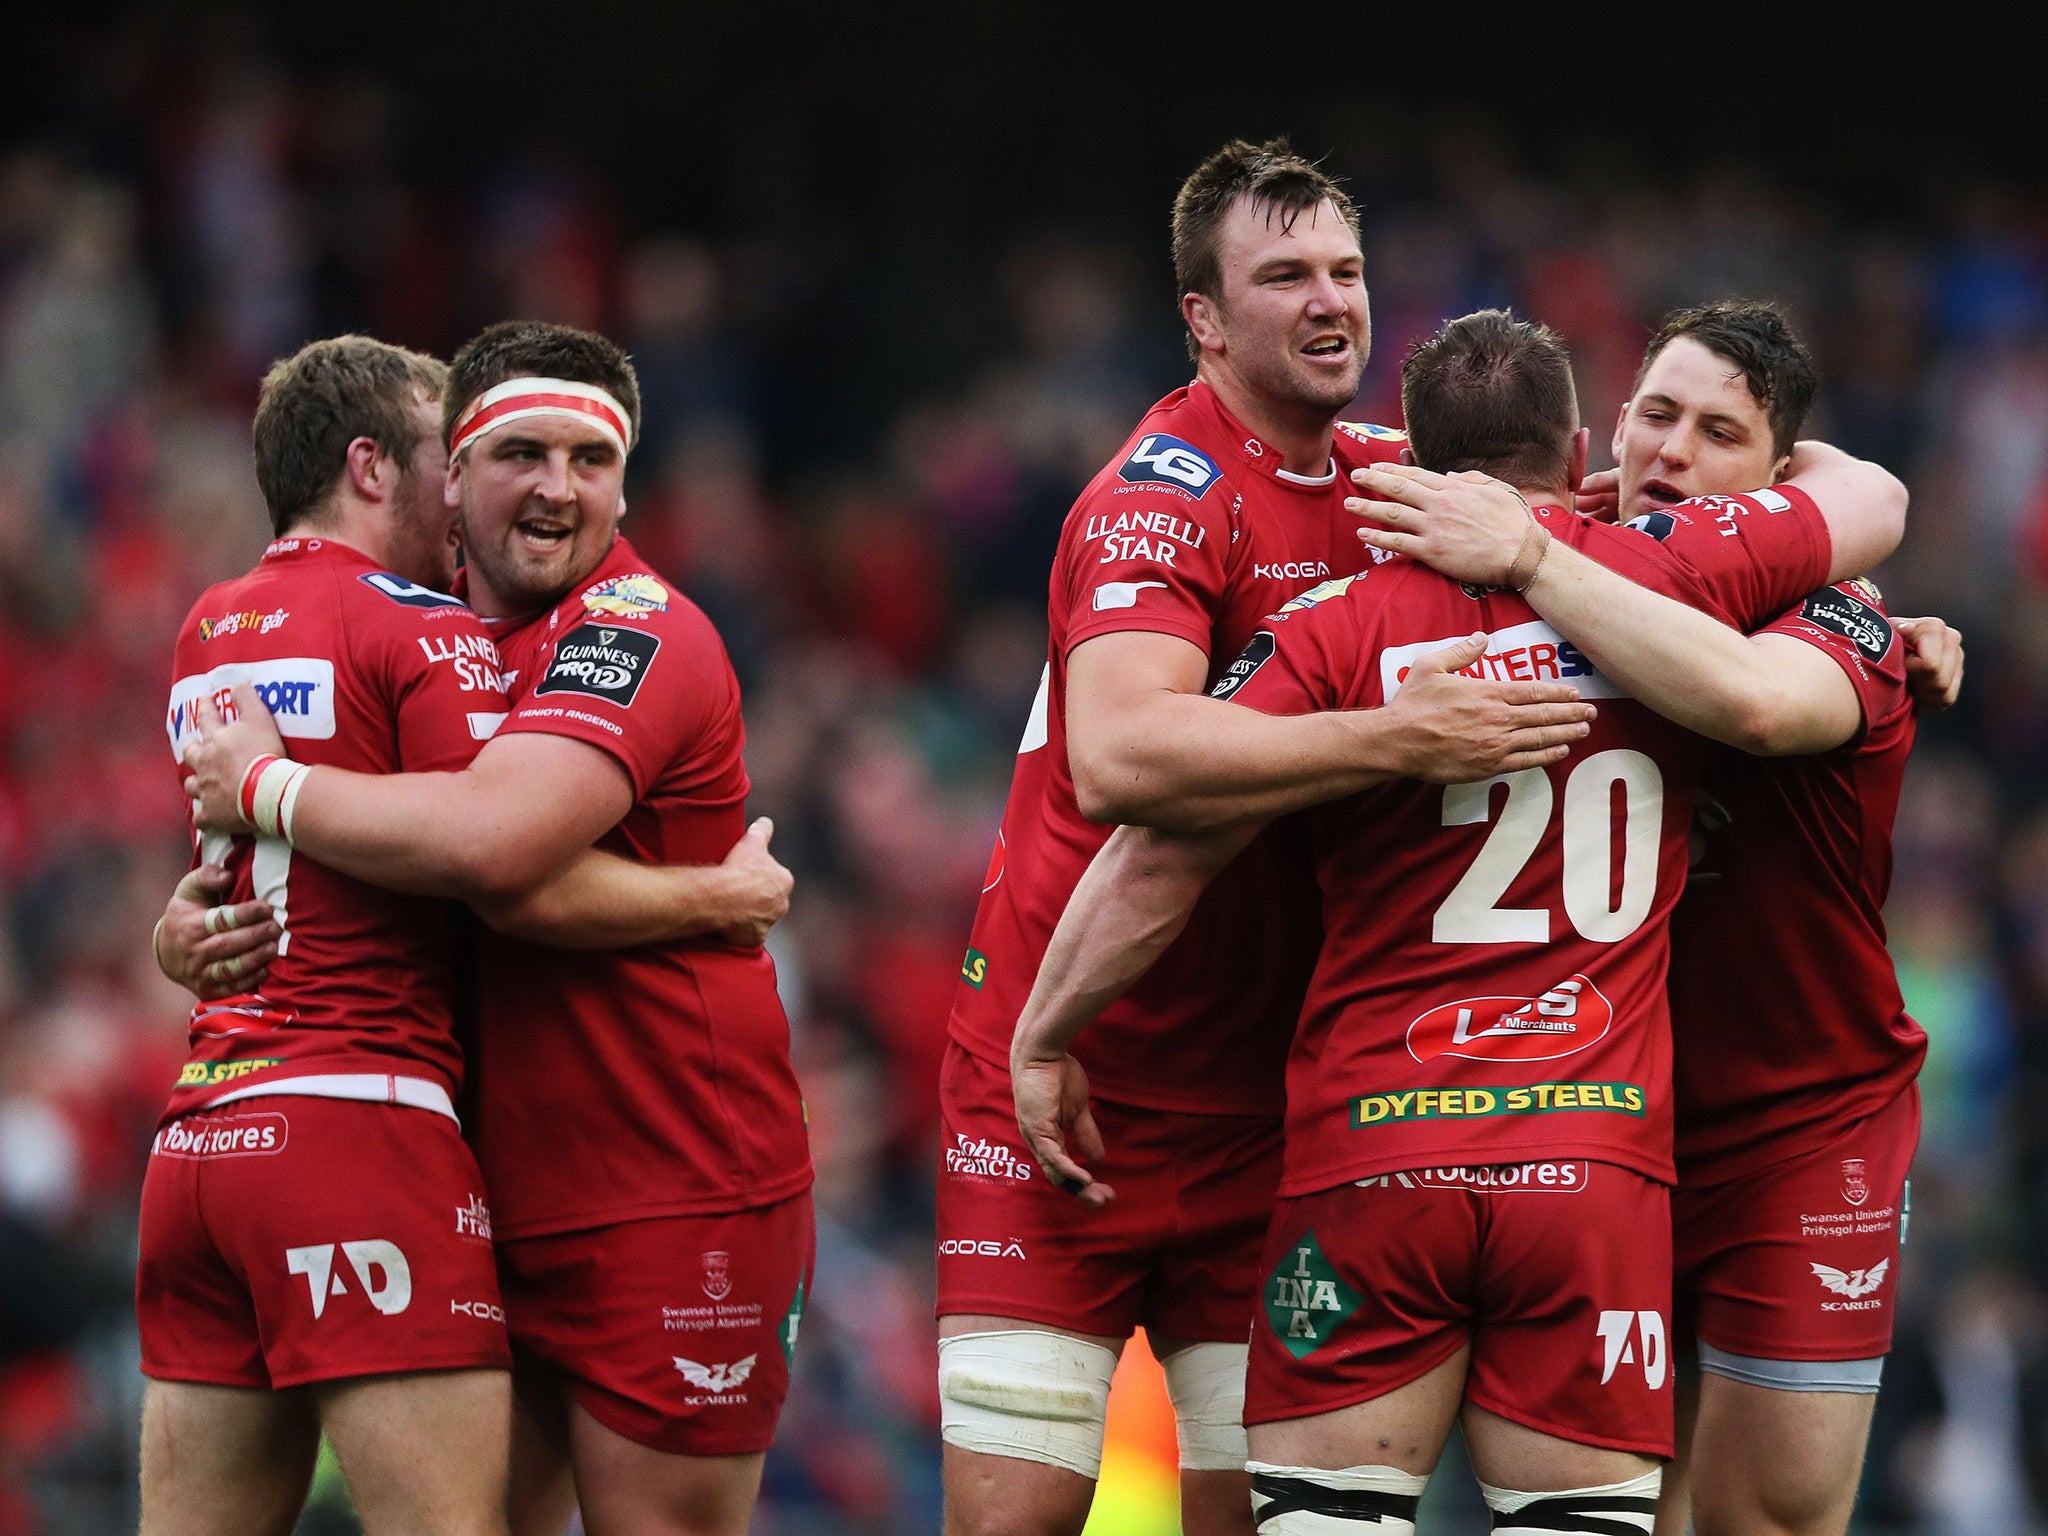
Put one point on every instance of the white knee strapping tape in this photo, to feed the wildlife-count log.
(1355, 1498)
(1031, 1395)
(1206, 1383)
(1628, 1506)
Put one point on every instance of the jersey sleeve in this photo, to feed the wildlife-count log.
(1848, 623)
(1147, 547)
(641, 690)
(1744, 559)
(1290, 667)
(446, 688)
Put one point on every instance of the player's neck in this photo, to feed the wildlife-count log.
(1546, 495)
(1302, 434)
(350, 533)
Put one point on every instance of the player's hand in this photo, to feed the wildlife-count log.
(1458, 729)
(221, 753)
(1053, 1114)
(214, 951)
(1468, 526)
(1934, 662)
(760, 887)
(1599, 496)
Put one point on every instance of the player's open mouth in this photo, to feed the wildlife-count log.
(542, 535)
(1663, 491)
(1325, 349)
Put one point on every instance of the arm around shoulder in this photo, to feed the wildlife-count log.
(1863, 504)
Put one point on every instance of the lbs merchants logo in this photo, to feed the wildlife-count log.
(1569, 1017)
(601, 662)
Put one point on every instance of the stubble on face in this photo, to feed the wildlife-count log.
(525, 546)
(422, 533)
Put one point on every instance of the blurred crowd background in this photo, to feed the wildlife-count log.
(876, 373)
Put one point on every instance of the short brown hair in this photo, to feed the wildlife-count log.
(1755, 336)
(322, 398)
(1270, 173)
(517, 349)
(1492, 393)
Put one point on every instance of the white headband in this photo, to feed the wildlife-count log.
(517, 399)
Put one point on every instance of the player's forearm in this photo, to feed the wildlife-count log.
(1864, 505)
(434, 834)
(1190, 763)
(1688, 667)
(1130, 904)
(601, 901)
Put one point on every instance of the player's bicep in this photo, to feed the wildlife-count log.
(1111, 679)
(544, 798)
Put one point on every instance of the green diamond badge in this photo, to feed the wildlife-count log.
(1306, 1298)
(791, 1320)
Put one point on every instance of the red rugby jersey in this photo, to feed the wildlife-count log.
(1194, 530)
(1785, 1009)
(364, 671)
(651, 1081)
(1491, 982)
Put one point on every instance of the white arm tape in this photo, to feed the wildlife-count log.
(1206, 1383)
(276, 795)
(1026, 1394)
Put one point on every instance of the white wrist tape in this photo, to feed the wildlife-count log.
(275, 795)
(1206, 1384)
(1025, 1394)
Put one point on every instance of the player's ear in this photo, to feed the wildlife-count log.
(451, 486)
(1582, 448)
(368, 467)
(1201, 313)
(1778, 469)
(1408, 457)
(1620, 426)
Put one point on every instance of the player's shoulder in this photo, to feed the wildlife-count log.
(1359, 443)
(636, 598)
(1176, 457)
(384, 597)
(611, 631)
(1723, 513)
(1854, 611)
(1344, 605)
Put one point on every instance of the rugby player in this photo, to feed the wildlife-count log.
(1474, 1213)
(349, 456)
(638, 1122)
(1225, 502)
(302, 1265)
(1796, 1111)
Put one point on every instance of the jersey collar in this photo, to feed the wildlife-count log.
(1250, 449)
